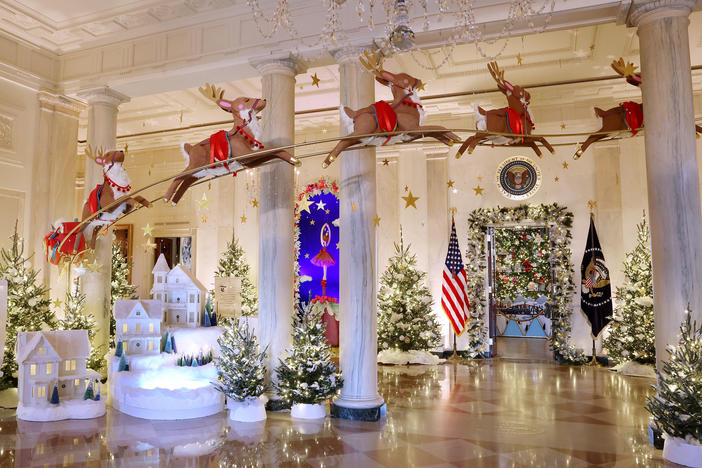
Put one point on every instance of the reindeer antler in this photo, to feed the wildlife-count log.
(372, 62)
(212, 92)
(626, 70)
(95, 156)
(497, 74)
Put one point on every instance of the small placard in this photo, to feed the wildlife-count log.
(228, 296)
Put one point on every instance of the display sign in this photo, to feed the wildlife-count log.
(228, 296)
(518, 178)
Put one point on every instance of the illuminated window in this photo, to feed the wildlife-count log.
(75, 441)
(39, 449)
(151, 345)
(73, 364)
(138, 328)
(68, 365)
(159, 279)
(41, 391)
(42, 350)
(33, 369)
(151, 328)
(124, 328)
(76, 382)
(49, 368)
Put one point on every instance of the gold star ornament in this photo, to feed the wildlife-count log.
(519, 59)
(254, 203)
(203, 202)
(149, 246)
(450, 183)
(94, 267)
(386, 161)
(478, 190)
(57, 303)
(243, 219)
(204, 219)
(410, 200)
(376, 221)
(565, 165)
(148, 230)
(304, 205)
(315, 80)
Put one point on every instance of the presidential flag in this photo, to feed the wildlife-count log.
(595, 290)
(454, 299)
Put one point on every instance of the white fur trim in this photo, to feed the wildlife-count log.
(185, 153)
(480, 119)
(346, 121)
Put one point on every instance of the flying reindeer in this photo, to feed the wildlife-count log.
(626, 116)
(115, 185)
(242, 139)
(514, 119)
(405, 112)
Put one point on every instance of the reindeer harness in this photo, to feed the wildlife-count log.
(220, 148)
(385, 115)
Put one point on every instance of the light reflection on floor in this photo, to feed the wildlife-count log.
(501, 413)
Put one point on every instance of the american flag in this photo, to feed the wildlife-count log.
(588, 282)
(454, 299)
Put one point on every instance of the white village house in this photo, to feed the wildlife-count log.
(183, 296)
(48, 358)
(138, 325)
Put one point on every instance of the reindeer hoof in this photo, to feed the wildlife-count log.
(296, 162)
(450, 143)
(470, 150)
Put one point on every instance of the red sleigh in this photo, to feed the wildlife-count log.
(53, 240)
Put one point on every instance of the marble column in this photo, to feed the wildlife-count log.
(103, 104)
(275, 240)
(53, 177)
(671, 163)
(358, 338)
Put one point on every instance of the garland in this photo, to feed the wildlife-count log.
(559, 221)
(315, 188)
(523, 263)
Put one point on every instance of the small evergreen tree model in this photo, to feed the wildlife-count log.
(405, 319)
(677, 408)
(89, 394)
(307, 374)
(119, 286)
(167, 345)
(206, 319)
(631, 333)
(233, 263)
(27, 304)
(75, 318)
(54, 396)
(119, 349)
(123, 366)
(240, 368)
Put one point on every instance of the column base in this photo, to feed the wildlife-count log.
(372, 410)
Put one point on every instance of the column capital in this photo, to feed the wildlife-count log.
(643, 12)
(60, 103)
(350, 53)
(103, 95)
(285, 64)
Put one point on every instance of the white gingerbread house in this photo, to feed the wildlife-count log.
(48, 358)
(183, 296)
(138, 325)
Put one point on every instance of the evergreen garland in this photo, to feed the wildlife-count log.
(233, 263)
(75, 318)
(240, 367)
(27, 304)
(405, 318)
(631, 331)
(307, 374)
(677, 408)
(119, 286)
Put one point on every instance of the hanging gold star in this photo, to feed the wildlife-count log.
(453, 210)
(478, 190)
(204, 219)
(94, 267)
(376, 221)
(254, 203)
(326, 211)
(312, 222)
(57, 303)
(307, 255)
(592, 47)
(315, 80)
(209, 185)
(149, 246)
(410, 200)
(565, 165)
(304, 205)
(337, 246)
(148, 230)
(203, 202)
(519, 59)
(243, 219)
(353, 206)
(386, 161)
(406, 188)
(421, 86)
(563, 125)
(556, 179)
(480, 178)
(449, 184)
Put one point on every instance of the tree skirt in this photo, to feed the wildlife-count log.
(400, 358)
(635, 369)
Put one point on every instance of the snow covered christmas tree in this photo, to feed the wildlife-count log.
(119, 285)
(240, 368)
(75, 318)
(405, 318)
(631, 334)
(233, 263)
(308, 374)
(677, 408)
(27, 304)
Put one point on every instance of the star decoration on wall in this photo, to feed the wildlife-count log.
(320, 205)
(312, 222)
(315, 80)
(556, 179)
(304, 205)
(204, 219)
(254, 203)
(94, 267)
(148, 230)
(337, 246)
(519, 59)
(353, 206)
(592, 204)
(203, 202)
(57, 303)
(410, 200)
(565, 165)
(376, 221)
(386, 161)
(563, 125)
(406, 188)
(149, 246)
(478, 190)
(243, 219)
(450, 183)
(592, 47)
(421, 86)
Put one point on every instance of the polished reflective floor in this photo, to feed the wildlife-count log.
(504, 412)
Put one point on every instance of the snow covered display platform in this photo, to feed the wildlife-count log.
(69, 409)
(154, 387)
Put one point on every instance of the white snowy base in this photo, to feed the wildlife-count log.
(682, 451)
(308, 411)
(400, 358)
(249, 410)
(71, 409)
(635, 369)
(194, 340)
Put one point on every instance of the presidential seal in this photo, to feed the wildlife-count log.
(518, 178)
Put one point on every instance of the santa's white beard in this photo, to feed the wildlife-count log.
(253, 126)
(119, 176)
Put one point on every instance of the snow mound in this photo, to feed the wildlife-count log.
(70, 409)
(194, 340)
(635, 369)
(393, 356)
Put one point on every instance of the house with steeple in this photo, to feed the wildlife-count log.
(182, 295)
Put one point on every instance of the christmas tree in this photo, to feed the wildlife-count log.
(677, 408)
(240, 367)
(27, 304)
(307, 374)
(631, 332)
(75, 318)
(54, 396)
(89, 394)
(119, 286)
(233, 263)
(405, 318)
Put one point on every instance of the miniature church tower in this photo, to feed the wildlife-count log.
(182, 295)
